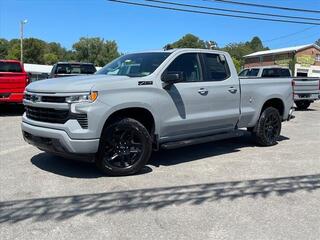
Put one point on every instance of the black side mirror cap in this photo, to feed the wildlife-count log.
(172, 77)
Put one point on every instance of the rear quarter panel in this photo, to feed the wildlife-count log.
(255, 92)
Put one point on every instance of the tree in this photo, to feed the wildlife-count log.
(50, 58)
(188, 41)
(95, 50)
(237, 64)
(4, 46)
(13, 49)
(238, 50)
(256, 44)
(33, 50)
(318, 42)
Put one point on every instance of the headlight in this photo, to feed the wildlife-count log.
(90, 97)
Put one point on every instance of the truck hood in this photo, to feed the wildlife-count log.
(72, 84)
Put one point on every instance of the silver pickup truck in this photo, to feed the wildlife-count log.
(145, 101)
(306, 89)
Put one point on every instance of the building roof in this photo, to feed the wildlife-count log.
(281, 50)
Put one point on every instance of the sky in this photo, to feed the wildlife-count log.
(137, 28)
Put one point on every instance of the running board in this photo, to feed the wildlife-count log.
(194, 141)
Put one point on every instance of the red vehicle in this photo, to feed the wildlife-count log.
(13, 80)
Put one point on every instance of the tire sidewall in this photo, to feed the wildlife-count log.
(107, 133)
(260, 128)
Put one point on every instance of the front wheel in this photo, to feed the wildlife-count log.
(302, 105)
(125, 148)
(268, 127)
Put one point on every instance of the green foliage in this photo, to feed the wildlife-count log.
(188, 41)
(95, 50)
(237, 64)
(50, 58)
(34, 49)
(4, 45)
(238, 50)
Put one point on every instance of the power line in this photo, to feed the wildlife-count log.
(211, 13)
(265, 6)
(233, 11)
(288, 35)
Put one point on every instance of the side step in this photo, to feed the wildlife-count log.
(194, 141)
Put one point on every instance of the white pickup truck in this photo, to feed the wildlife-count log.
(145, 101)
(306, 89)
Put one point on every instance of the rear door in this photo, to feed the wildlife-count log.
(223, 99)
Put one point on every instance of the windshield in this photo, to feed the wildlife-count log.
(67, 68)
(135, 65)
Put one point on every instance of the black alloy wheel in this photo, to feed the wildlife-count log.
(268, 127)
(125, 148)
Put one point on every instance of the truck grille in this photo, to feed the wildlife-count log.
(47, 114)
(51, 115)
(53, 99)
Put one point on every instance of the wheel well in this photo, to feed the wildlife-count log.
(142, 115)
(276, 103)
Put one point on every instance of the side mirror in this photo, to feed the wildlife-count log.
(172, 77)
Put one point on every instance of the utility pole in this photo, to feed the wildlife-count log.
(22, 23)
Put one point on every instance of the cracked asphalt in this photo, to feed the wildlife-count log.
(230, 189)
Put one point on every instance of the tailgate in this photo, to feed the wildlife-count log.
(306, 85)
(12, 82)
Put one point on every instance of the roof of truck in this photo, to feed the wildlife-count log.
(282, 50)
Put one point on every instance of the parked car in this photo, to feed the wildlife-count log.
(170, 99)
(65, 69)
(13, 80)
(306, 89)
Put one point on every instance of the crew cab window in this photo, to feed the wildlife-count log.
(217, 68)
(189, 65)
(275, 72)
(253, 72)
(10, 67)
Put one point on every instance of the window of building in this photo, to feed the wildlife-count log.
(317, 57)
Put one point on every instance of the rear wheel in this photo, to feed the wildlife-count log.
(268, 128)
(302, 105)
(125, 148)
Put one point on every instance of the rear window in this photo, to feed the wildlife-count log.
(276, 72)
(75, 69)
(10, 67)
(253, 72)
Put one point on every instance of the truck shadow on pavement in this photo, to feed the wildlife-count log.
(76, 169)
(7, 110)
(66, 207)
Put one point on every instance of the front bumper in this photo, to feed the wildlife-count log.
(58, 142)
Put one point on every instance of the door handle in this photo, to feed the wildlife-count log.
(203, 91)
(233, 90)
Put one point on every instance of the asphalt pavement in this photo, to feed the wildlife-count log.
(230, 189)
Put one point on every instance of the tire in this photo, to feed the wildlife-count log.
(302, 105)
(268, 127)
(125, 148)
